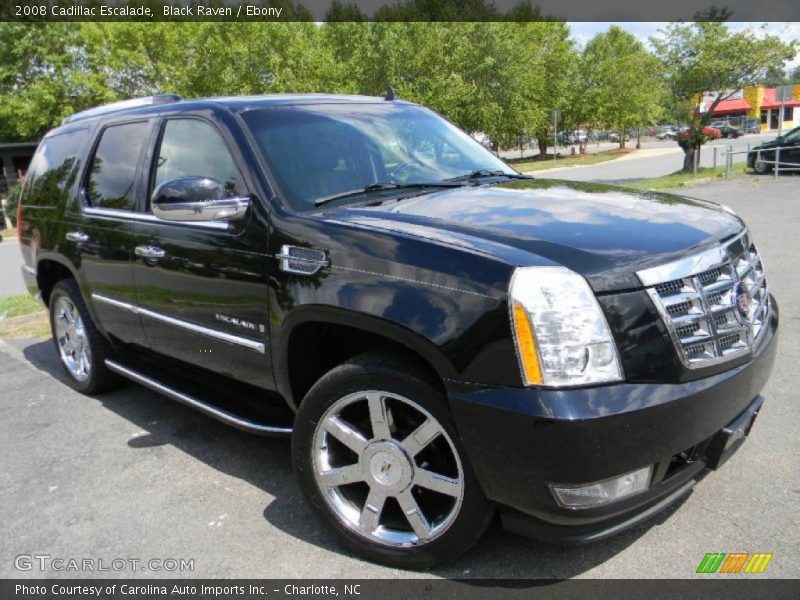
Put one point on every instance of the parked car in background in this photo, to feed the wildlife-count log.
(761, 157)
(613, 137)
(667, 134)
(752, 126)
(728, 131)
(712, 133)
(566, 138)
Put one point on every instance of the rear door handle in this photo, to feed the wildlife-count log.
(150, 252)
(77, 236)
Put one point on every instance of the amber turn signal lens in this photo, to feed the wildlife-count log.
(526, 346)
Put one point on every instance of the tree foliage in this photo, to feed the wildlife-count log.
(706, 56)
(499, 78)
(621, 82)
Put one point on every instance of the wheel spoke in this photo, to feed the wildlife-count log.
(69, 314)
(346, 434)
(342, 475)
(379, 416)
(85, 362)
(421, 437)
(437, 482)
(414, 515)
(371, 513)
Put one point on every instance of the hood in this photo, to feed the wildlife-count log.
(605, 233)
(770, 144)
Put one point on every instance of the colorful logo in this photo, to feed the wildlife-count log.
(735, 562)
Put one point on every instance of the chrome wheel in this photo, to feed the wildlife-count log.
(72, 339)
(760, 165)
(387, 469)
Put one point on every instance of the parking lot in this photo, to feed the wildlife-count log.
(132, 475)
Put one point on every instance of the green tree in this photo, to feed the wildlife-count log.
(40, 77)
(483, 76)
(704, 57)
(621, 82)
(557, 62)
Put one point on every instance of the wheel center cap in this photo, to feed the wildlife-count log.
(387, 466)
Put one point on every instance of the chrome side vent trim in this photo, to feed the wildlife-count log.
(212, 411)
(301, 261)
(715, 304)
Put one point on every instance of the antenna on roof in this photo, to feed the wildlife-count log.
(390, 95)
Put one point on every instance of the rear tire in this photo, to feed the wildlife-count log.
(378, 457)
(80, 346)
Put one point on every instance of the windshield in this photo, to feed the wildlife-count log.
(322, 150)
(793, 135)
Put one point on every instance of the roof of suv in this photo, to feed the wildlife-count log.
(152, 104)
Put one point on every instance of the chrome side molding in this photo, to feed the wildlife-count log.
(193, 327)
(128, 215)
(212, 411)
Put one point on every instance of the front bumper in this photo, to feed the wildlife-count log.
(520, 440)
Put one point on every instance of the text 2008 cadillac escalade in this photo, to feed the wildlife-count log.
(442, 337)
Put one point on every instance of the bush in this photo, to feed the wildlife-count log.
(12, 201)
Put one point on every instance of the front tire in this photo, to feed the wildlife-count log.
(80, 346)
(377, 455)
(761, 167)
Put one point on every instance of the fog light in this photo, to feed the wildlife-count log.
(602, 492)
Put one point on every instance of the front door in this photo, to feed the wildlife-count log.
(201, 286)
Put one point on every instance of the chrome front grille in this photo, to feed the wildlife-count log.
(714, 304)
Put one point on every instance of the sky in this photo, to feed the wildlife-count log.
(583, 32)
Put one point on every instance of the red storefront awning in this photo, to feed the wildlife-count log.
(770, 102)
(731, 106)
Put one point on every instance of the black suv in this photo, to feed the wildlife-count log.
(783, 150)
(442, 337)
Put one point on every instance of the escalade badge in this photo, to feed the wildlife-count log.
(741, 302)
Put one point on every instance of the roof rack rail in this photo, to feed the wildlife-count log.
(122, 105)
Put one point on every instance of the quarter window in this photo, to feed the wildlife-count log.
(193, 148)
(112, 175)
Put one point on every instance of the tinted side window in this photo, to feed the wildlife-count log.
(54, 168)
(112, 175)
(192, 148)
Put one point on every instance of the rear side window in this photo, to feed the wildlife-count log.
(193, 148)
(112, 175)
(54, 167)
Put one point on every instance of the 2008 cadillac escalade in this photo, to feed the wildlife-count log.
(442, 337)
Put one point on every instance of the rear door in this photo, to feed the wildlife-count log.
(102, 226)
(202, 286)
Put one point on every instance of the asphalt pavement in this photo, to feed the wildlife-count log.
(132, 475)
(655, 159)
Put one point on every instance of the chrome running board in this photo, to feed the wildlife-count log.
(212, 411)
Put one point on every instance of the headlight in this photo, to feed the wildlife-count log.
(561, 334)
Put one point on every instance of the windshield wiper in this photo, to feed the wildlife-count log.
(381, 186)
(482, 173)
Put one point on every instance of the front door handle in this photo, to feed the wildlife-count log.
(150, 252)
(77, 236)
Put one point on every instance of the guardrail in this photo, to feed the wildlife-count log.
(777, 164)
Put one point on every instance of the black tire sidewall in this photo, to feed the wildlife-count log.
(475, 512)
